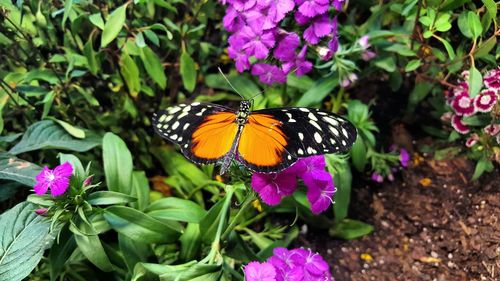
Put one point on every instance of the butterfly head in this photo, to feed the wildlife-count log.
(245, 106)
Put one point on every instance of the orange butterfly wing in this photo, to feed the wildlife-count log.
(213, 138)
(262, 145)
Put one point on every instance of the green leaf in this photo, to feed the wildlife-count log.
(448, 47)
(109, 198)
(60, 252)
(151, 35)
(117, 163)
(485, 47)
(474, 24)
(91, 55)
(68, 4)
(401, 49)
(190, 242)
(188, 71)
(475, 81)
(483, 165)
(136, 251)
(388, 64)
(442, 23)
(358, 154)
(139, 226)
(245, 86)
(79, 171)
(209, 223)
(350, 229)
(15, 169)
(318, 91)
(47, 134)
(96, 19)
(154, 67)
(72, 130)
(113, 25)
(25, 236)
(491, 7)
(92, 248)
(463, 25)
(420, 91)
(130, 73)
(140, 190)
(172, 208)
(412, 65)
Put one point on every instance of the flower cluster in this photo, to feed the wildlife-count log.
(463, 105)
(320, 188)
(258, 31)
(386, 171)
(284, 264)
(57, 180)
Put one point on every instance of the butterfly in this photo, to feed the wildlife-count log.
(265, 141)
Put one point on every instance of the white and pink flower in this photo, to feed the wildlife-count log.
(472, 140)
(492, 129)
(459, 125)
(463, 105)
(492, 80)
(485, 101)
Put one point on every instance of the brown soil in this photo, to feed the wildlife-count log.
(447, 230)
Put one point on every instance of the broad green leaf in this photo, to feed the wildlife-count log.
(483, 165)
(485, 47)
(188, 71)
(47, 134)
(113, 25)
(130, 73)
(8, 189)
(190, 242)
(401, 49)
(15, 169)
(172, 208)
(139, 226)
(60, 252)
(194, 272)
(151, 35)
(358, 154)
(442, 23)
(68, 4)
(96, 19)
(117, 163)
(491, 7)
(153, 66)
(474, 24)
(209, 223)
(412, 65)
(109, 198)
(72, 130)
(342, 177)
(321, 88)
(91, 55)
(475, 81)
(140, 190)
(388, 64)
(92, 248)
(136, 251)
(350, 229)
(79, 171)
(448, 47)
(463, 25)
(25, 236)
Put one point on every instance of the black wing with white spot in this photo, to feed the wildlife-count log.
(177, 123)
(311, 131)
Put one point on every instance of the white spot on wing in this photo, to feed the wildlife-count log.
(169, 118)
(300, 151)
(187, 108)
(345, 133)
(162, 118)
(176, 124)
(315, 124)
(301, 136)
(174, 110)
(182, 115)
(331, 121)
(195, 103)
(344, 143)
(312, 116)
(201, 112)
(334, 130)
(317, 137)
(290, 117)
(174, 137)
(311, 150)
(304, 109)
(186, 126)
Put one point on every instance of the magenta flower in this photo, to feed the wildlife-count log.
(57, 180)
(255, 271)
(273, 187)
(320, 192)
(458, 125)
(236, 52)
(285, 50)
(258, 41)
(485, 101)
(315, 267)
(299, 63)
(364, 42)
(492, 129)
(376, 177)
(320, 27)
(338, 4)
(348, 80)
(463, 105)
(233, 20)
(492, 80)
(311, 8)
(41, 211)
(268, 74)
(243, 5)
(404, 157)
(472, 140)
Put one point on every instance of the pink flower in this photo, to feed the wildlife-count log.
(348, 80)
(463, 105)
(272, 187)
(472, 140)
(311, 8)
(364, 42)
(41, 211)
(315, 267)
(368, 55)
(320, 192)
(299, 63)
(285, 50)
(404, 157)
(255, 271)
(88, 181)
(57, 180)
(458, 125)
(376, 177)
(492, 129)
(258, 41)
(320, 27)
(492, 80)
(485, 101)
(268, 74)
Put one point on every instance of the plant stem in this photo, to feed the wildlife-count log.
(222, 220)
(236, 218)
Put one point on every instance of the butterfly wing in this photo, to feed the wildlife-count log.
(274, 138)
(204, 131)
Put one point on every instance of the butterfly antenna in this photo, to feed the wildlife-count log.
(228, 82)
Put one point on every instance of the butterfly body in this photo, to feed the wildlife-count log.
(267, 140)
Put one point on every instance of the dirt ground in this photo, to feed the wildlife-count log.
(431, 223)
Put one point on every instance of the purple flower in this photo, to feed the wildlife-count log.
(310, 167)
(320, 27)
(376, 177)
(485, 101)
(233, 20)
(258, 41)
(364, 42)
(472, 140)
(300, 63)
(338, 4)
(324, 53)
(463, 105)
(267, 14)
(368, 55)
(404, 157)
(57, 180)
(320, 192)
(88, 181)
(492, 129)
(492, 79)
(41, 211)
(458, 125)
(314, 265)
(273, 187)
(348, 80)
(242, 5)
(236, 52)
(268, 74)
(255, 271)
(311, 8)
(285, 50)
